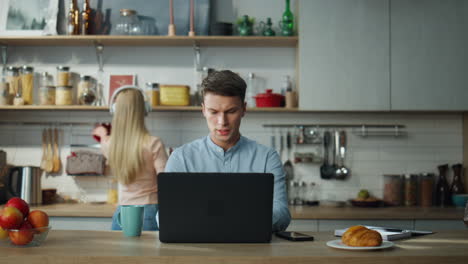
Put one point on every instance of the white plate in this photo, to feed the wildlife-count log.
(338, 244)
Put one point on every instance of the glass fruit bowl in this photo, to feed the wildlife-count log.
(32, 237)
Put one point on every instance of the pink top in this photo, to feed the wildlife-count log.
(144, 190)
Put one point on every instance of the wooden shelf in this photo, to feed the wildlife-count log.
(155, 109)
(106, 40)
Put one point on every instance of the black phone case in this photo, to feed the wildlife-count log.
(288, 237)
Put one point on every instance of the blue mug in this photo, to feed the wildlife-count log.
(130, 219)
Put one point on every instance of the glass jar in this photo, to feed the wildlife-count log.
(13, 80)
(128, 23)
(86, 91)
(411, 189)
(44, 80)
(27, 84)
(63, 76)
(4, 92)
(426, 189)
(63, 95)
(47, 95)
(152, 92)
(393, 190)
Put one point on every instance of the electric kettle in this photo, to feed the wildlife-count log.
(25, 182)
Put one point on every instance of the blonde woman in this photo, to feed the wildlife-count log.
(134, 156)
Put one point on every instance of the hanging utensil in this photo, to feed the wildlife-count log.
(281, 147)
(49, 166)
(342, 172)
(288, 167)
(327, 171)
(56, 156)
(44, 150)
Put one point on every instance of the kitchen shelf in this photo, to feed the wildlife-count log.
(155, 109)
(106, 40)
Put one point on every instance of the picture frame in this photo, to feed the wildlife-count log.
(118, 80)
(28, 18)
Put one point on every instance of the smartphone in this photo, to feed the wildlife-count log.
(294, 236)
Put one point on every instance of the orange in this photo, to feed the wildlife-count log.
(38, 219)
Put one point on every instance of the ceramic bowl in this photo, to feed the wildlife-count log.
(25, 237)
(459, 200)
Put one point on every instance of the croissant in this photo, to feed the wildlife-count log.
(360, 236)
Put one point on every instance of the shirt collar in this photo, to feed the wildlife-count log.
(218, 149)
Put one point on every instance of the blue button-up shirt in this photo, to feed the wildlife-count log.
(203, 155)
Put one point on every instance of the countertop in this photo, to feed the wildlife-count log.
(112, 247)
(297, 212)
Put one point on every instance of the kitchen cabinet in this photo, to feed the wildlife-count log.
(429, 55)
(344, 55)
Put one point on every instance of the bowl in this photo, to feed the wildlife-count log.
(459, 200)
(25, 237)
(364, 203)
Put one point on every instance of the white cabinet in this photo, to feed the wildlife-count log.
(429, 55)
(81, 223)
(344, 55)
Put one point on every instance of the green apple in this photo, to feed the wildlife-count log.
(363, 194)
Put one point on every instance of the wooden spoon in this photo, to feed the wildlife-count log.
(49, 163)
(44, 150)
(56, 158)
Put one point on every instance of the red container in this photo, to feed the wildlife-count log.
(269, 99)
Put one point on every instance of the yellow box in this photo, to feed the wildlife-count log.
(174, 95)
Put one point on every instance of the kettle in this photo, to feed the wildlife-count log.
(25, 182)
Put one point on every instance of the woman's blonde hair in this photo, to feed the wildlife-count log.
(129, 134)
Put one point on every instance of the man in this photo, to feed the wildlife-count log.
(224, 149)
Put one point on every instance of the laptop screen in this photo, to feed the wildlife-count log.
(215, 207)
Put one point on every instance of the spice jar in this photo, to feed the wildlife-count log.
(426, 189)
(27, 84)
(86, 93)
(63, 95)
(393, 189)
(63, 76)
(47, 95)
(13, 80)
(411, 189)
(152, 92)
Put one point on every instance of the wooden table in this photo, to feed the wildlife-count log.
(112, 247)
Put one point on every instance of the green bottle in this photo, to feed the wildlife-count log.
(287, 22)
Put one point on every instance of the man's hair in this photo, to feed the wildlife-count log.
(224, 83)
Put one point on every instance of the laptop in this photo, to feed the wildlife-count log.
(215, 207)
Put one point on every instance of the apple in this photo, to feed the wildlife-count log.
(23, 235)
(38, 219)
(19, 203)
(3, 233)
(10, 218)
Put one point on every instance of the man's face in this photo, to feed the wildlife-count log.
(223, 115)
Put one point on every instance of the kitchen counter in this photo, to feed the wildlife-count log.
(297, 212)
(112, 247)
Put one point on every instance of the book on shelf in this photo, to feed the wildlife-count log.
(389, 233)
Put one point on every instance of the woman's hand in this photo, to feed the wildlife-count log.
(101, 131)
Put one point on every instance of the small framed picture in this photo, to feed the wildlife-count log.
(117, 81)
(28, 18)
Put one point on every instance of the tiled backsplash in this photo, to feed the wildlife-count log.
(432, 139)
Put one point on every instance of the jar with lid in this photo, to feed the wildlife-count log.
(46, 90)
(128, 23)
(27, 84)
(63, 95)
(63, 76)
(86, 91)
(13, 80)
(442, 195)
(393, 186)
(457, 185)
(411, 189)
(426, 189)
(152, 92)
(4, 91)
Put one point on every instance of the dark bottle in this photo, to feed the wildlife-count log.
(457, 185)
(106, 26)
(442, 188)
(98, 20)
(73, 19)
(287, 21)
(85, 18)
